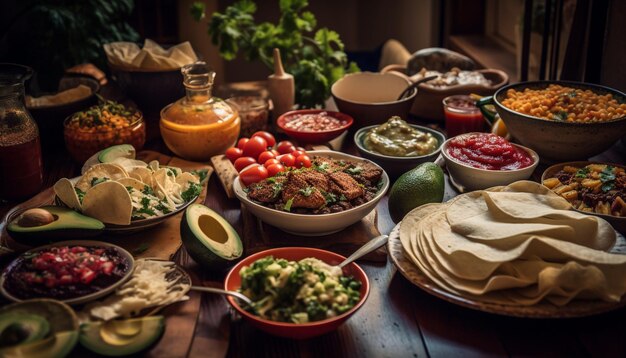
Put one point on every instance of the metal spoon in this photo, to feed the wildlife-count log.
(415, 84)
(372, 245)
(235, 294)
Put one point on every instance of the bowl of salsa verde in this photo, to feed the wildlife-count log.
(314, 126)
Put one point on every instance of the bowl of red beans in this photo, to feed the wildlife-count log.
(314, 126)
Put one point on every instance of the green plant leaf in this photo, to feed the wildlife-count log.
(198, 10)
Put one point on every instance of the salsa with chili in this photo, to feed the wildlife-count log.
(314, 122)
(488, 151)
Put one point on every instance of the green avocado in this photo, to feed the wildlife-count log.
(117, 151)
(420, 185)
(121, 337)
(58, 223)
(209, 238)
(38, 328)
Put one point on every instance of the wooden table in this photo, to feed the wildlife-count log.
(398, 319)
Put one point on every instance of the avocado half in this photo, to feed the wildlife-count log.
(38, 328)
(121, 337)
(68, 224)
(117, 151)
(209, 238)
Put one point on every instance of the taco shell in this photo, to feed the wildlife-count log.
(64, 190)
(108, 202)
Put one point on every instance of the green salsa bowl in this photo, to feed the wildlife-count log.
(394, 165)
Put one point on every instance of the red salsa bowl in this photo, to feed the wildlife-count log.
(314, 126)
(297, 330)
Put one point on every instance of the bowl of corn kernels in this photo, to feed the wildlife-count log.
(101, 126)
(562, 120)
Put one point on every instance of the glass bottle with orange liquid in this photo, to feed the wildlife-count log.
(199, 126)
(21, 172)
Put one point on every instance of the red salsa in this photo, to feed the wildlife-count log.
(65, 272)
(314, 122)
(488, 151)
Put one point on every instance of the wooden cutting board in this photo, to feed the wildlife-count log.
(161, 241)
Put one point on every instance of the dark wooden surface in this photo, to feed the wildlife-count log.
(398, 319)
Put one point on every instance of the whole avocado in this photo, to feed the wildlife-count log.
(421, 185)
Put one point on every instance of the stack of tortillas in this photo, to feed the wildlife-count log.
(515, 245)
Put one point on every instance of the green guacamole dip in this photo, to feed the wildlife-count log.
(398, 139)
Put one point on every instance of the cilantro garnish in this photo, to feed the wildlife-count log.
(130, 189)
(321, 168)
(582, 173)
(330, 197)
(354, 170)
(572, 94)
(163, 208)
(288, 204)
(559, 116)
(80, 194)
(171, 173)
(191, 192)
(201, 174)
(96, 181)
(306, 191)
(608, 178)
(147, 190)
(271, 180)
(278, 187)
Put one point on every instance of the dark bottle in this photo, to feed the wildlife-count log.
(20, 151)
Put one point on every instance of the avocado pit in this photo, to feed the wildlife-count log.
(35, 217)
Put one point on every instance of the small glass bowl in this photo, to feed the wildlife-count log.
(82, 143)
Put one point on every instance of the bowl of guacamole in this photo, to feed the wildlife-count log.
(398, 146)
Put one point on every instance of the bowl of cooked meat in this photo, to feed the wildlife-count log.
(337, 191)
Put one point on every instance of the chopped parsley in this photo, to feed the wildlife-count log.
(306, 191)
(145, 208)
(163, 208)
(80, 194)
(288, 204)
(191, 192)
(322, 168)
(278, 188)
(582, 173)
(96, 181)
(330, 197)
(607, 176)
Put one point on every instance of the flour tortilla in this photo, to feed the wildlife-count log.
(64, 190)
(133, 183)
(108, 202)
(142, 174)
(102, 170)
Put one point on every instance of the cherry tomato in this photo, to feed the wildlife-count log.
(271, 162)
(276, 153)
(233, 154)
(254, 147)
(303, 161)
(253, 175)
(287, 160)
(242, 143)
(265, 156)
(297, 153)
(274, 169)
(243, 162)
(285, 147)
(269, 138)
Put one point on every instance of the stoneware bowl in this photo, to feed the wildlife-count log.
(396, 166)
(471, 178)
(313, 225)
(558, 141)
(371, 98)
(618, 223)
(292, 330)
(428, 100)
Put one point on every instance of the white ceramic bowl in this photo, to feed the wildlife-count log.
(314, 225)
(471, 178)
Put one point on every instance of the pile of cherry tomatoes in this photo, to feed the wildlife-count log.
(259, 157)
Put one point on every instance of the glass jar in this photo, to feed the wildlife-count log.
(199, 126)
(21, 173)
(462, 115)
(254, 113)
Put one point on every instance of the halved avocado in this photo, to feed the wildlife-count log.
(40, 328)
(67, 224)
(209, 238)
(121, 337)
(117, 151)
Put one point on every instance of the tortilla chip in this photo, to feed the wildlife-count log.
(64, 190)
(108, 202)
(102, 170)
